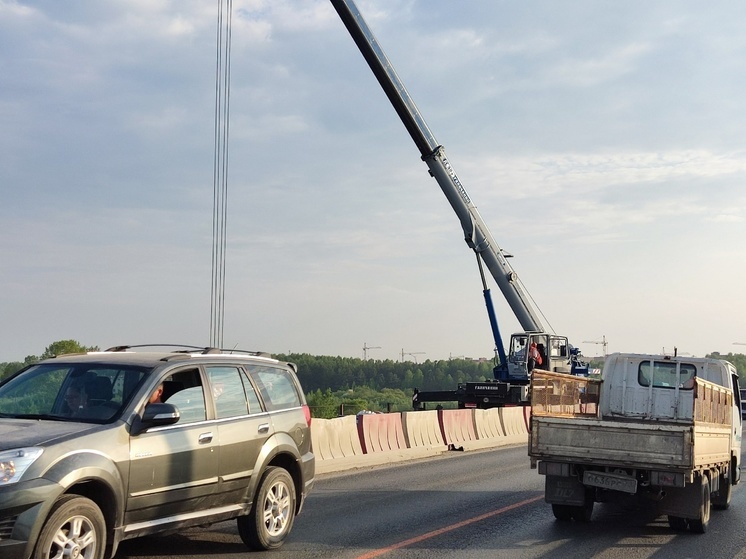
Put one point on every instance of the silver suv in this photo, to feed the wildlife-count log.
(102, 447)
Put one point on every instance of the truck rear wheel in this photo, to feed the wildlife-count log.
(563, 512)
(721, 500)
(699, 525)
(584, 512)
(677, 523)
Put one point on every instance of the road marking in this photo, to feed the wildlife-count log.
(446, 529)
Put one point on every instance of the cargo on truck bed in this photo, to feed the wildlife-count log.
(659, 427)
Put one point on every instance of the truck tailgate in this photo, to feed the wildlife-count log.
(593, 441)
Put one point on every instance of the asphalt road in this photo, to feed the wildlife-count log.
(465, 504)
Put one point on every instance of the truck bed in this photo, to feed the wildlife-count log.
(567, 426)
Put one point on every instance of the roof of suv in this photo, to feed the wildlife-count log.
(125, 354)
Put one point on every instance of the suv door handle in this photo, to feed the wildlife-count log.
(263, 428)
(205, 438)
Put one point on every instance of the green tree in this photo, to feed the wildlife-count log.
(62, 347)
(7, 369)
(324, 405)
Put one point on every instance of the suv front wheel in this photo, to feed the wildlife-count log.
(75, 528)
(273, 512)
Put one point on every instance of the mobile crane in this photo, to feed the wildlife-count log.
(512, 372)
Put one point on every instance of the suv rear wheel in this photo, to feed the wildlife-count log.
(75, 528)
(273, 512)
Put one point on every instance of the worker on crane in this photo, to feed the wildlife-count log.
(534, 357)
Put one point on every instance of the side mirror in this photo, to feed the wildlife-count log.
(155, 415)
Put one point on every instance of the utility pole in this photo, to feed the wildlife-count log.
(604, 343)
(366, 347)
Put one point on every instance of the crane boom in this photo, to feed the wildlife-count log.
(476, 233)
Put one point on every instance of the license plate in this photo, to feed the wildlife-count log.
(610, 481)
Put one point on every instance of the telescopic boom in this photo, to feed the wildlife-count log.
(476, 233)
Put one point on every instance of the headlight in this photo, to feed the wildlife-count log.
(13, 463)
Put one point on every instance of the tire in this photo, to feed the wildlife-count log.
(699, 525)
(677, 523)
(721, 500)
(584, 512)
(272, 514)
(75, 527)
(563, 513)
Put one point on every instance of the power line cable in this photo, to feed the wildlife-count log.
(220, 171)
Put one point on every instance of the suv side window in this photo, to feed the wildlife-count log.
(183, 389)
(255, 405)
(228, 391)
(276, 387)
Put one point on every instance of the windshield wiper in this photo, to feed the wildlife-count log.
(37, 416)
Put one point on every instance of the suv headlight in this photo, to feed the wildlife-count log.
(13, 463)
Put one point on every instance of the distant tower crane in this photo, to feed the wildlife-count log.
(412, 353)
(604, 343)
(366, 347)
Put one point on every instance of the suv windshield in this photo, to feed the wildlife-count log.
(70, 391)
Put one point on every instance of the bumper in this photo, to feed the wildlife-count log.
(11, 549)
(23, 508)
(308, 467)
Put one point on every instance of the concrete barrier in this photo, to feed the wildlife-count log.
(488, 424)
(457, 426)
(422, 429)
(320, 439)
(512, 421)
(351, 442)
(335, 438)
(380, 432)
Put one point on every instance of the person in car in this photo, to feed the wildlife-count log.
(75, 399)
(155, 397)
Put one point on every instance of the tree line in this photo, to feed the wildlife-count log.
(347, 385)
(59, 347)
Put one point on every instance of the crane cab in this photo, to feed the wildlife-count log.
(553, 353)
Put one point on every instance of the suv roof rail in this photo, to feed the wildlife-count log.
(185, 349)
(247, 352)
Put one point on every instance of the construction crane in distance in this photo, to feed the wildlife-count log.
(604, 343)
(414, 354)
(366, 347)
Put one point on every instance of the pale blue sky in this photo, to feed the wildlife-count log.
(603, 143)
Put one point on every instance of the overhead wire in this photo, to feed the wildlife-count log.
(220, 171)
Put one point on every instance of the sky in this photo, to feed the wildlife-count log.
(604, 144)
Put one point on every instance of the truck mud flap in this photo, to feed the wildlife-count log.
(682, 501)
(564, 491)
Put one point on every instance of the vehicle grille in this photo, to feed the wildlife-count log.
(6, 527)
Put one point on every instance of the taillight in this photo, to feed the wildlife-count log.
(307, 413)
